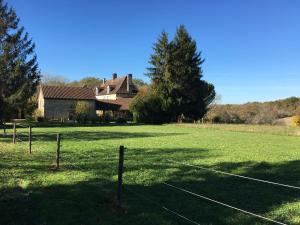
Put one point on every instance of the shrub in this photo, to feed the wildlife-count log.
(121, 120)
(296, 121)
(29, 118)
(147, 108)
(265, 115)
(94, 120)
(38, 115)
(82, 111)
(107, 117)
(297, 111)
(296, 117)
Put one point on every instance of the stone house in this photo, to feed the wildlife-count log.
(112, 98)
(58, 102)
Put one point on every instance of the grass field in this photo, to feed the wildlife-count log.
(83, 190)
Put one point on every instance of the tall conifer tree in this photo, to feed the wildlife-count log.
(189, 93)
(19, 73)
(177, 77)
(158, 59)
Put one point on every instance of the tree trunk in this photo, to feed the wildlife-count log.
(19, 113)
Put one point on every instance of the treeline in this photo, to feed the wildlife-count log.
(254, 112)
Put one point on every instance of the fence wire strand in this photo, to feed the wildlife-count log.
(21, 125)
(236, 175)
(19, 138)
(223, 204)
(164, 208)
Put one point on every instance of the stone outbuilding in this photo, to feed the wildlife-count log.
(58, 102)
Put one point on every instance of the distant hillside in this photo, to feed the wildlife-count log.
(254, 112)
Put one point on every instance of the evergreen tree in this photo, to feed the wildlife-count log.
(158, 73)
(177, 77)
(159, 59)
(19, 74)
(189, 95)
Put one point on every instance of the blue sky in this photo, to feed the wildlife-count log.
(251, 47)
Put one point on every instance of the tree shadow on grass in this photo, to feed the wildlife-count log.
(103, 124)
(94, 136)
(256, 197)
(90, 202)
(58, 124)
(83, 136)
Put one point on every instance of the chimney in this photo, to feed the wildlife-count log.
(114, 76)
(129, 82)
(103, 81)
(97, 91)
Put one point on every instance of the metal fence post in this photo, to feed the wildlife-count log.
(120, 176)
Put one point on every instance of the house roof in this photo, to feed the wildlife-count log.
(118, 104)
(117, 85)
(65, 92)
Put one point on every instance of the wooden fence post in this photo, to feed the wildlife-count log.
(29, 139)
(14, 134)
(120, 176)
(4, 129)
(58, 151)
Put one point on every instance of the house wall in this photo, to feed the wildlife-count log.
(41, 103)
(62, 109)
(107, 97)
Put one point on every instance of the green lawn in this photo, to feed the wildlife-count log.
(82, 192)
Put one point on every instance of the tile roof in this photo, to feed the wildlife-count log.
(118, 85)
(114, 82)
(65, 92)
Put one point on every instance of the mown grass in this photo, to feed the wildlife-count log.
(83, 190)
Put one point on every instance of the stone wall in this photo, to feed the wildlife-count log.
(63, 109)
(41, 103)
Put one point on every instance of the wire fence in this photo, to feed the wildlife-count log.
(22, 125)
(184, 190)
(236, 175)
(191, 221)
(163, 207)
(223, 204)
(23, 138)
